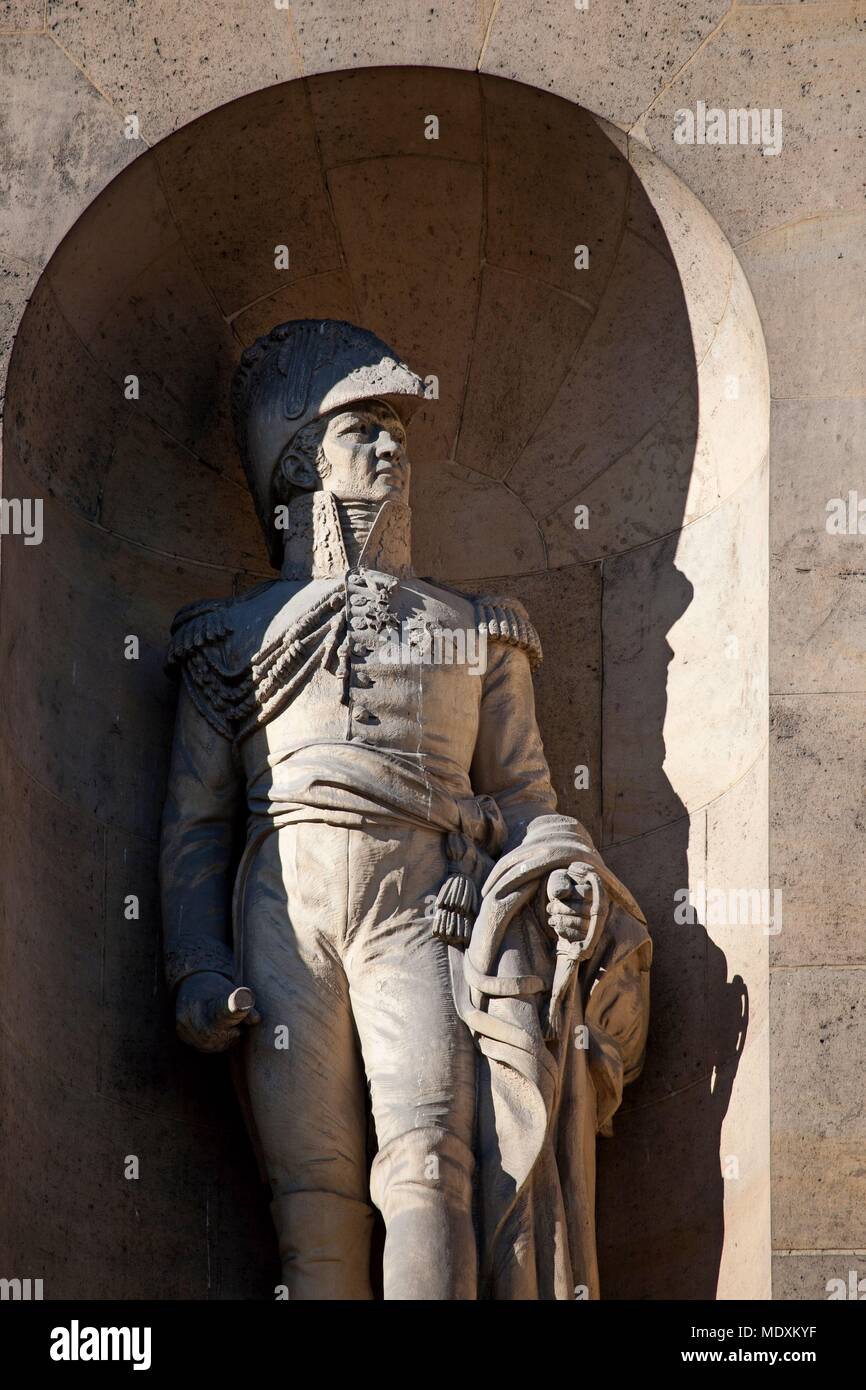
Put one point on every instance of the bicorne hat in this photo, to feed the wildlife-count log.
(298, 372)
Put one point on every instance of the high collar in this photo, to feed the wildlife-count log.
(317, 545)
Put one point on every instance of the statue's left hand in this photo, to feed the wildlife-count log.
(577, 905)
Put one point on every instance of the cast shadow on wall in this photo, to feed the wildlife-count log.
(660, 1178)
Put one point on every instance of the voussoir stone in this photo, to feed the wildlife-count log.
(612, 60)
(168, 63)
(63, 142)
(805, 61)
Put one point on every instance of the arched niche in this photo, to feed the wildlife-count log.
(635, 387)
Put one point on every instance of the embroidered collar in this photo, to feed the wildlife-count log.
(315, 546)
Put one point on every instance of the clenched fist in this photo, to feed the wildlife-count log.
(210, 1013)
(577, 905)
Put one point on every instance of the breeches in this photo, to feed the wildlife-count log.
(355, 996)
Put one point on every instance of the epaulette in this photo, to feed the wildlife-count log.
(238, 688)
(196, 653)
(197, 625)
(506, 620)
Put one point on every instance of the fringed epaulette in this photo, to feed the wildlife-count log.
(506, 620)
(197, 653)
(236, 691)
(197, 625)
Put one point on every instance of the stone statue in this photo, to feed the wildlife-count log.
(433, 986)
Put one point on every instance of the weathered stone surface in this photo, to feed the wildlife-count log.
(739, 892)
(209, 172)
(643, 217)
(818, 741)
(745, 1269)
(460, 549)
(706, 1023)
(812, 352)
(614, 61)
(735, 396)
(693, 1010)
(597, 414)
(63, 142)
(817, 86)
(205, 519)
(16, 285)
(818, 1109)
(60, 856)
(70, 464)
(585, 205)
(429, 318)
(116, 463)
(817, 639)
(331, 293)
(169, 64)
(163, 328)
(101, 261)
(707, 1052)
(77, 725)
(520, 320)
(196, 1195)
(669, 476)
(656, 476)
(817, 449)
(22, 16)
(693, 238)
(335, 34)
(815, 1273)
(674, 611)
(356, 118)
(86, 1091)
(737, 864)
(655, 1233)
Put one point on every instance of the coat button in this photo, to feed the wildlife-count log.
(363, 716)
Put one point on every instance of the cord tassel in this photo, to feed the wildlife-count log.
(457, 899)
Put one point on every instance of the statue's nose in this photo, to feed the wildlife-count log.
(387, 446)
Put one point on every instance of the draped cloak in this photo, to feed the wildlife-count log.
(546, 1087)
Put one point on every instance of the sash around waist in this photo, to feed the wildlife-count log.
(356, 780)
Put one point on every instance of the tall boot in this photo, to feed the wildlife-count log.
(422, 1184)
(324, 1242)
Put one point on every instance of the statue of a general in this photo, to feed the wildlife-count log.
(451, 988)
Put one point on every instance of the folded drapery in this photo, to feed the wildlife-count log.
(543, 1099)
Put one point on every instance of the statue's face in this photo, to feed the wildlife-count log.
(363, 454)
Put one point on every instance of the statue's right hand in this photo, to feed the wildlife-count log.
(210, 1012)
